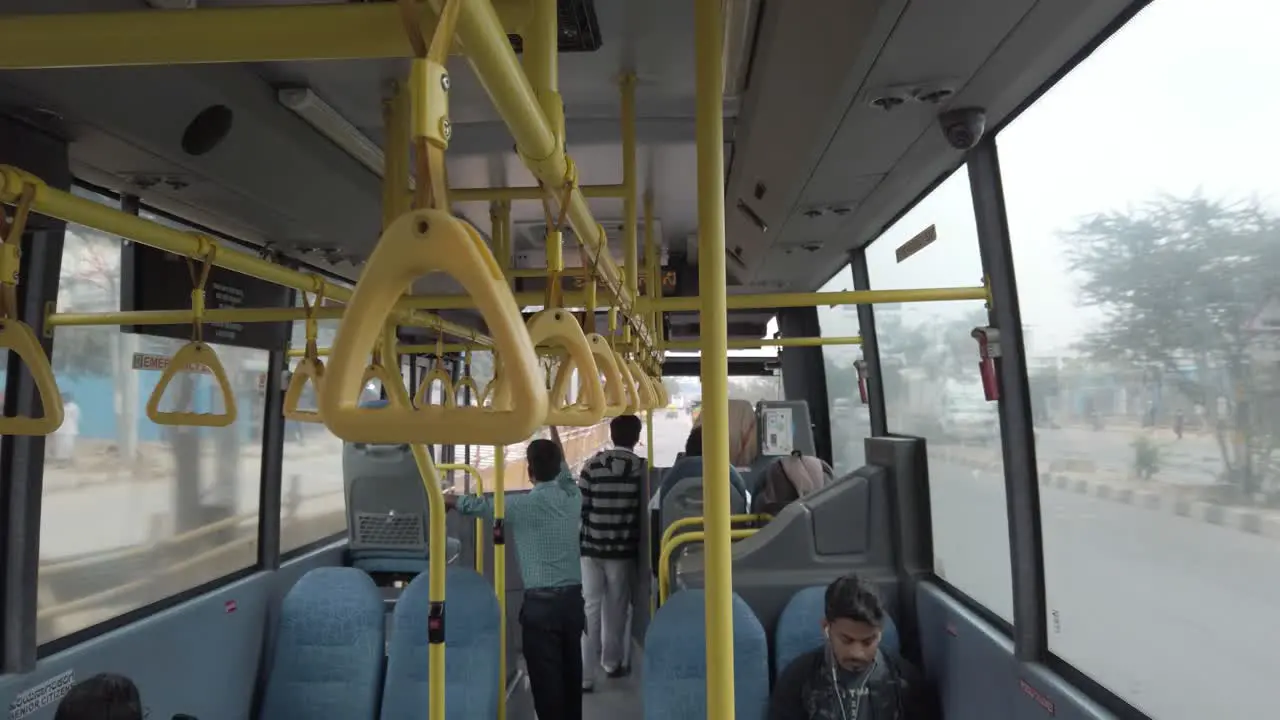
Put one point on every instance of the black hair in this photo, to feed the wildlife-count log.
(693, 446)
(102, 697)
(850, 598)
(544, 459)
(624, 430)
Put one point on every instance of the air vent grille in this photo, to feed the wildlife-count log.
(579, 29)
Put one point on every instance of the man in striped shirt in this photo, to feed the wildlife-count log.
(612, 485)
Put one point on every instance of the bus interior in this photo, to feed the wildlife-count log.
(275, 275)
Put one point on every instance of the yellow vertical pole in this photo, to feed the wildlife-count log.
(631, 276)
(395, 183)
(501, 214)
(709, 117)
(653, 268)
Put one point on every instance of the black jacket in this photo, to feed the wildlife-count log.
(895, 691)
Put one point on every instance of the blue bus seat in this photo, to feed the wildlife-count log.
(327, 663)
(675, 663)
(692, 466)
(800, 628)
(471, 645)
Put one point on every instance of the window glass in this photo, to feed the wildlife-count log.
(1147, 246)
(850, 419)
(933, 390)
(134, 512)
(312, 499)
(671, 426)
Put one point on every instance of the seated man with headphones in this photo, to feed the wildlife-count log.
(850, 677)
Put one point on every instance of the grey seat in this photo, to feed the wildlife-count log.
(387, 510)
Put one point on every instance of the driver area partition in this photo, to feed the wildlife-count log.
(867, 522)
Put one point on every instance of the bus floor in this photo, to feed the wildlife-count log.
(612, 699)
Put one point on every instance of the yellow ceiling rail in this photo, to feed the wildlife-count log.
(750, 344)
(15, 335)
(191, 357)
(540, 146)
(65, 206)
(745, 301)
(491, 194)
(310, 369)
(350, 31)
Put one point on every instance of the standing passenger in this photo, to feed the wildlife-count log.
(612, 485)
(545, 523)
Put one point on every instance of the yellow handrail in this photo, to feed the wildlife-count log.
(16, 336)
(500, 569)
(478, 544)
(708, 17)
(682, 523)
(664, 560)
(82, 211)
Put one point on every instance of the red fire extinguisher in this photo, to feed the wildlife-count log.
(988, 350)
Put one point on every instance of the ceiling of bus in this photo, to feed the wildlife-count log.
(810, 156)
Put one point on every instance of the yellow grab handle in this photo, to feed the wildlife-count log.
(417, 243)
(644, 391)
(615, 394)
(18, 338)
(465, 383)
(422, 398)
(664, 397)
(559, 327)
(629, 386)
(190, 356)
(308, 369)
(395, 398)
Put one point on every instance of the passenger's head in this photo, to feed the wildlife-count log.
(854, 619)
(101, 697)
(544, 459)
(693, 446)
(624, 430)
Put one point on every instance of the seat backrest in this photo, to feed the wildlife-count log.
(675, 662)
(327, 663)
(788, 479)
(784, 426)
(386, 503)
(471, 646)
(800, 628)
(692, 466)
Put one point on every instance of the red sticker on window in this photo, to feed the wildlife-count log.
(230, 606)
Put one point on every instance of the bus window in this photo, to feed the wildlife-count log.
(850, 419)
(312, 499)
(1147, 246)
(671, 426)
(929, 363)
(133, 512)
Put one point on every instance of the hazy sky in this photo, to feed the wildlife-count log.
(1162, 107)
